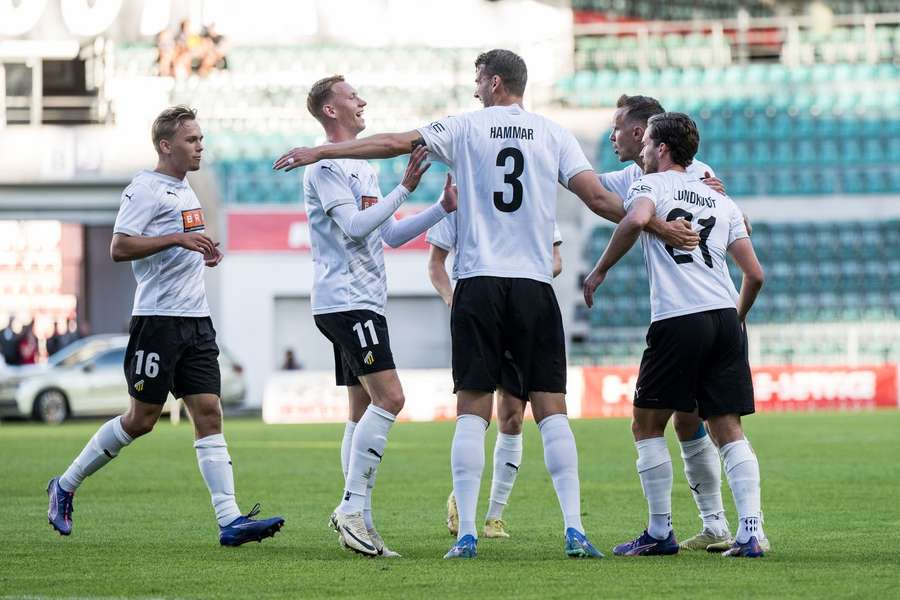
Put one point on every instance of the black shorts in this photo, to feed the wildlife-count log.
(361, 343)
(507, 332)
(697, 361)
(171, 354)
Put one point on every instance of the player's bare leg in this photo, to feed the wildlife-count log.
(654, 466)
(215, 466)
(366, 452)
(561, 459)
(507, 460)
(473, 410)
(104, 446)
(703, 471)
(742, 470)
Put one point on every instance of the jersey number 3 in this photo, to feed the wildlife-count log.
(707, 225)
(511, 178)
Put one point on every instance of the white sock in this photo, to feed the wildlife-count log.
(742, 469)
(703, 471)
(467, 464)
(346, 444)
(654, 466)
(215, 466)
(561, 458)
(102, 448)
(367, 448)
(367, 507)
(507, 460)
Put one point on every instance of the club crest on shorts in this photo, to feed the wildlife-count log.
(369, 358)
(139, 386)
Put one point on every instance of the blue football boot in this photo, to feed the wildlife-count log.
(749, 549)
(244, 529)
(578, 546)
(647, 545)
(59, 514)
(464, 548)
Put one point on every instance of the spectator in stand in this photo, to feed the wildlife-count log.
(165, 57)
(59, 339)
(9, 343)
(28, 345)
(213, 44)
(188, 46)
(290, 362)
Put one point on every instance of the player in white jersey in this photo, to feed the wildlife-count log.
(696, 356)
(701, 459)
(510, 399)
(349, 222)
(172, 347)
(507, 163)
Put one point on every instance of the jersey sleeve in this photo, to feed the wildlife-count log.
(139, 206)
(619, 181)
(439, 137)
(557, 236)
(572, 160)
(645, 187)
(331, 185)
(736, 227)
(443, 234)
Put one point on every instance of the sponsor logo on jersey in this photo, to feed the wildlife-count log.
(369, 358)
(368, 201)
(639, 188)
(438, 127)
(193, 220)
(139, 386)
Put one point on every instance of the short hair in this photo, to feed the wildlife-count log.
(319, 95)
(508, 66)
(678, 132)
(168, 122)
(639, 108)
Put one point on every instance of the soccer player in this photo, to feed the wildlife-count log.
(510, 404)
(172, 347)
(507, 163)
(696, 356)
(349, 220)
(701, 459)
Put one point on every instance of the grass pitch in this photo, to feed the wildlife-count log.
(144, 525)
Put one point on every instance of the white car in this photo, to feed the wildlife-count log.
(87, 378)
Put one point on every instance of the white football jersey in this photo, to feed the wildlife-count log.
(619, 181)
(507, 163)
(683, 283)
(169, 283)
(443, 235)
(348, 274)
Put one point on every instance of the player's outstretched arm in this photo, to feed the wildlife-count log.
(358, 224)
(133, 247)
(742, 253)
(382, 145)
(437, 273)
(396, 232)
(586, 185)
(623, 238)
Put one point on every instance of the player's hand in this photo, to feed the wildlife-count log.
(747, 224)
(591, 283)
(713, 182)
(213, 260)
(679, 234)
(297, 157)
(197, 242)
(450, 197)
(415, 168)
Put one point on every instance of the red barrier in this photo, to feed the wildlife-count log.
(608, 391)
